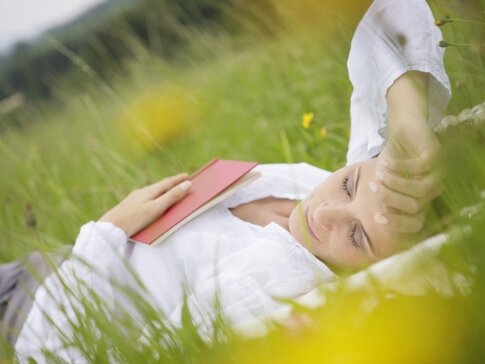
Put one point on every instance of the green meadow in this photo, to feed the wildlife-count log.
(76, 156)
(67, 160)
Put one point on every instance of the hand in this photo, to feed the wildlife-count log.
(142, 206)
(409, 173)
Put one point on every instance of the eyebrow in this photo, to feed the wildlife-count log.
(368, 241)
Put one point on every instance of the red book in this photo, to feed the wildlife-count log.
(211, 184)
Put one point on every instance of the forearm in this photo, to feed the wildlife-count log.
(407, 101)
(410, 173)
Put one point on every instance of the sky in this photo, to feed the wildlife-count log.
(24, 19)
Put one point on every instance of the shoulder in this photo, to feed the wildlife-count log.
(301, 172)
(281, 180)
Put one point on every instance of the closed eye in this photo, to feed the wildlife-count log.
(353, 240)
(345, 186)
(359, 234)
(349, 185)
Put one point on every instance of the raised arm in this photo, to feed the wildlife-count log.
(409, 171)
(393, 38)
(401, 92)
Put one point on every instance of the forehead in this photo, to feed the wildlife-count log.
(385, 241)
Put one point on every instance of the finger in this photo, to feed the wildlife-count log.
(423, 187)
(422, 165)
(156, 189)
(407, 204)
(175, 194)
(402, 223)
(391, 210)
(411, 167)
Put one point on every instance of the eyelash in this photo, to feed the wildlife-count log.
(344, 186)
(352, 232)
(352, 237)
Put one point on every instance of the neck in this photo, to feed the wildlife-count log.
(263, 212)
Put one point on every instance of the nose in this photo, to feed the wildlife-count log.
(329, 217)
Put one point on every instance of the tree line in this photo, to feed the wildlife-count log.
(100, 39)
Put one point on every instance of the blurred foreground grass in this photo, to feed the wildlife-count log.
(234, 97)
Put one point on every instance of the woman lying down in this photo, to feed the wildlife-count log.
(294, 228)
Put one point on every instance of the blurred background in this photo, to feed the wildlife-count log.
(100, 97)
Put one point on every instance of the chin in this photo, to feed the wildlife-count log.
(294, 223)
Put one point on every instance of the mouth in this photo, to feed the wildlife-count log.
(308, 223)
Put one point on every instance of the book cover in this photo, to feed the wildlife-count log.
(212, 183)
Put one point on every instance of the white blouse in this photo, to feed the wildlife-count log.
(246, 264)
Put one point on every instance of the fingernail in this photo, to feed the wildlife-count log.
(185, 186)
(381, 219)
(380, 175)
(373, 186)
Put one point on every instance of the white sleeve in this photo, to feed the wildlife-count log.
(253, 285)
(393, 37)
(238, 298)
(54, 309)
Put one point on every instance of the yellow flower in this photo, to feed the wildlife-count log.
(307, 119)
(442, 21)
(323, 133)
(158, 115)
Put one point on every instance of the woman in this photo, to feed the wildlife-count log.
(278, 236)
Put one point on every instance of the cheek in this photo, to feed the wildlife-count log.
(331, 190)
(297, 226)
(387, 246)
(294, 224)
(344, 255)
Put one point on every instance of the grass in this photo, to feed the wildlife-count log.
(237, 97)
(77, 157)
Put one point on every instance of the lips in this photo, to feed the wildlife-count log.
(308, 223)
